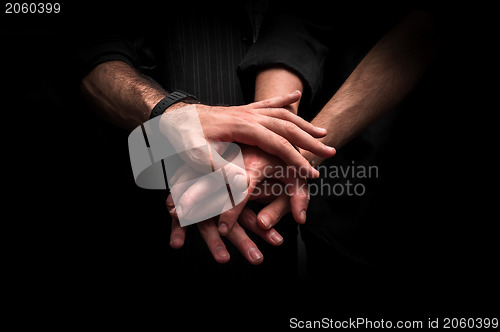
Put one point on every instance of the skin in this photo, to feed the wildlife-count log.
(383, 78)
(124, 97)
(259, 166)
(269, 83)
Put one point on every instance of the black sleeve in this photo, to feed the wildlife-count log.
(122, 38)
(285, 39)
(115, 32)
(94, 51)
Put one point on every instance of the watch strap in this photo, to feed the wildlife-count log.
(168, 101)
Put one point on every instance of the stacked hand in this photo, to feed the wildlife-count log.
(265, 124)
(272, 162)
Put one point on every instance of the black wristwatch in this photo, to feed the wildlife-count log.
(169, 100)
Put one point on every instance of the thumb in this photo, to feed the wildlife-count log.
(278, 102)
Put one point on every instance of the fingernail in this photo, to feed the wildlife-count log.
(172, 210)
(315, 175)
(265, 220)
(223, 229)
(276, 237)
(221, 251)
(254, 253)
(296, 92)
(303, 216)
(323, 130)
(330, 149)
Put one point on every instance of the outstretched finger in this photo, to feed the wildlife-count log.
(245, 245)
(208, 230)
(274, 107)
(274, 211)
(177, 234)
(248, 218)
(297, 136)
(297, 190)
(283, 114)
(277, 102)
(227, 219)
(276, 145)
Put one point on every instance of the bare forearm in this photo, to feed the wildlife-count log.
(381, 80)
(120, 94)
(277, 81)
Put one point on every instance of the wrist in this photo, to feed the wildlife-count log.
(275, 81)
(151, 100)
(169, 101)
(180, 104)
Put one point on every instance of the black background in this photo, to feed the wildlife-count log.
(76, 258)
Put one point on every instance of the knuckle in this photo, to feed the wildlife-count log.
(169, 202)
(275, 213)
(267, 103)
(289, 127)
(302, 190)
(214, 243)
(303, 195)
(282, 113)
(245, 118)
(283, 141)
(247, 243)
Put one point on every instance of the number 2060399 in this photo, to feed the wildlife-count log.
(470, 323)
(32, 8)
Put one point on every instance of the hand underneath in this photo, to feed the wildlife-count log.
(204, 194)
(238, 237)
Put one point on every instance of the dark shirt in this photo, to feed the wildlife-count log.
(213, 52)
